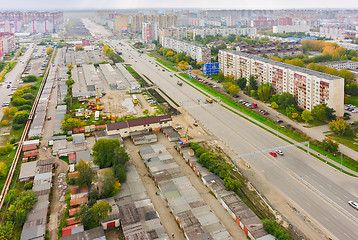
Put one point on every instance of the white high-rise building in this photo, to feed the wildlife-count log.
(149, 32)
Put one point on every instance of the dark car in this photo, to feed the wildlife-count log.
(347, 114)
(235, 96)
(279, 121)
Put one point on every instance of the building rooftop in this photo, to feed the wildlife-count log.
(92, 234)
(28, 170)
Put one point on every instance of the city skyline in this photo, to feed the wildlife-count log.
(165, 4)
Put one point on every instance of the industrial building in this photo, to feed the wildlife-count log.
(309, 87)
(199, 53)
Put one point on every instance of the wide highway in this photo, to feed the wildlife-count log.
(318, 190)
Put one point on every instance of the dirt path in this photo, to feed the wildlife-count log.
(166, 217)
(231, 226)
(58, 205)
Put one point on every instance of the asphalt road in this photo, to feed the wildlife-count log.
(315, 188)
(14, 75)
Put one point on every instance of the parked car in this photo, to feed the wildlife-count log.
(195, 124)
(273, 154)
(178, 127)
(347, 114)
(279, 121)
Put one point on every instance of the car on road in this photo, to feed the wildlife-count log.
(279, 121)
(235, 96)
(8, 86)
(353, 204)
(273, 154)
(279, 152)
(48, 118)
(195, 124)
(171, 75)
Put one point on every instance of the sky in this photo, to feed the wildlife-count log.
(132, 4)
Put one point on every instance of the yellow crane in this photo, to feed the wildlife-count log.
(98, 102)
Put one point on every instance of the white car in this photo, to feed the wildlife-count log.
(353, 204)
(178, 127)
(279, 152)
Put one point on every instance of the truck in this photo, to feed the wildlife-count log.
(254, 105)
(180, 83)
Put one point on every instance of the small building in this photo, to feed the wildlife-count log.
(171, 134)
(72, 211)
(72, 158)
(73, 174)
(92, 234)
(78, 201)
(143, 137)
(30, 147)
(113, 217)
(73, 229)
(84, 155)
(27, 171)
(31, 142)
(72, 221)
(78, 138)
(30, 154)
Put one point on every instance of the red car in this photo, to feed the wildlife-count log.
(273, 154)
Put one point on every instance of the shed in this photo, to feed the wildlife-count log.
(31, 154)
(78, 202)
(27, 171)
(73, 174)
(31, 147)
(77, 228)
(84, 155)
(78, 138)
(93, 234)
(113, 219)
(37, 142)
(72, 158)
(72, 221)
(72, 211)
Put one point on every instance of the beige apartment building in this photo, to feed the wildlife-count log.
(309, 87)
(163, 21)
(175, 32)
(120, 23)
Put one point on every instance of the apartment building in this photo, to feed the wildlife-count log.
(175, 32)
(309, 87)
(199, 53)
(121, 23)
(339, 65)
(7, 43)
(149, 32)
(224, 32)
(163, 21)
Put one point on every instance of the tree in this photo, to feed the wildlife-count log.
(29, 96)
(306, 116)
(18, 210)
(69, 123)
(85, 173)
(319, 112)
(79, 48)
(107, 152)
(101, 210)
(340, 127)
(183, 65)
(330, 113)
(252, 83)
(3, 170)
(274, 105)
(233, 89)
(347, 75)
(221, 76)
(6, 230)
(264, 92)
(169, 54)
(49, 50)
(120, 172)
(108, 183)
(290, 110)
(30, 78)
(285, 99)
(329, 145)
(21, 117)
(241, 82)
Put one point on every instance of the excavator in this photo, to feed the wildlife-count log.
(110, 115)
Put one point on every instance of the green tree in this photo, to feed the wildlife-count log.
(241, 82)
(319, 112)
(221, 76)
(290, 110)
(7, 230)
(252, 83)
(347, 75)
(264, 92)
(18, 210)
(329, 145)
(340, 127)
(108, 183)
(101, 210)
(29, 96)
(285, 100)
(21, 117)
(233, 89)
(85, 216)
(30, 78)
(274, 105)
(85, 173)
(306, 116)
(107, 152)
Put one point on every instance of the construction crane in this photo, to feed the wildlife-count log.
(98, 102)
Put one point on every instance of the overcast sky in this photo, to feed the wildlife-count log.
(217, 4)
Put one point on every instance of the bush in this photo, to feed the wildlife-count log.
(30, 78)
(21, 117)
(28, 185)
(13, 140)
(275, 229)
(4, 122)
(6, 149)
(28, 96)
(17, 126)
(25, 108)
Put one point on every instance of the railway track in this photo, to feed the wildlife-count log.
(11, 173)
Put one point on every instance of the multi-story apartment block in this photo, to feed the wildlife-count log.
(203, 32)
(309, 87)
(7, 43)
(149, 32)
(121, 23)
(163, 21)
(175, 32)
(199, 53)
(339, 65)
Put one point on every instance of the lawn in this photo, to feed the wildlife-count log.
(162, 61)
(350, 141)
(354, 100)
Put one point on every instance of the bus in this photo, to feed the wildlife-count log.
(135, 99)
